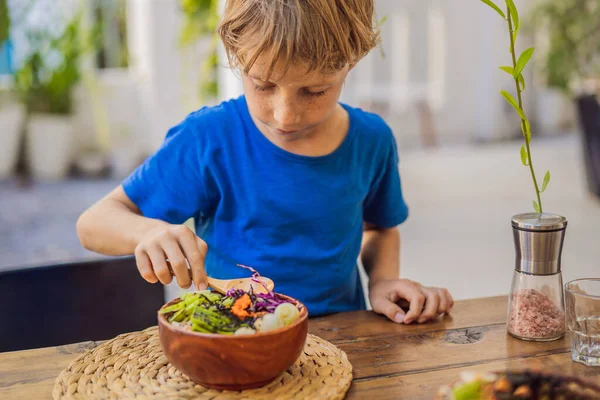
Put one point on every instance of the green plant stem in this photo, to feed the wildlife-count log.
(523, 122)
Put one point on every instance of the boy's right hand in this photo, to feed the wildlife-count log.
(175, 243)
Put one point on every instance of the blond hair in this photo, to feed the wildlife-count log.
(325, 35)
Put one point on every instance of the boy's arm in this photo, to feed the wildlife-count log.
(380, 255)
(115, 226)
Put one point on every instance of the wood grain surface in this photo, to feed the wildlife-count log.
(390, 361)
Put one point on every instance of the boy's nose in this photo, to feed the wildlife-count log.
(285, 115)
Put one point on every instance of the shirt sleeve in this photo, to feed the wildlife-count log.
(384, 206)
(171, 184)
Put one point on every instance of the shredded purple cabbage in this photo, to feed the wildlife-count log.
(255, 273)
(255, 276)
(260, 301)
(268, 302)
(235, 293)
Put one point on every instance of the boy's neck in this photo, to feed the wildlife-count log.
(320, 141)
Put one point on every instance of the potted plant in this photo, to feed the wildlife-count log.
(45, 82)
(571, 65)
(536, 302)
(11, 111)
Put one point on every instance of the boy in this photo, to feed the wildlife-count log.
(284, 179)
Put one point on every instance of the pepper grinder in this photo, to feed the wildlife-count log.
(536, 310)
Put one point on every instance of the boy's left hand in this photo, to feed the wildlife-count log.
(426, 303)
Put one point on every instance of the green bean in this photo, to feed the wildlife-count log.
(204, 312)
(213, 297)
(186, 295)
(202, 324)
(174, 307)
(207, 314)
(191, 299)
(179, 316)
(210, 311)
(228, 301)
(205, 300)
(192, 306)
(213, 320)
(197, 319)
(199, 328)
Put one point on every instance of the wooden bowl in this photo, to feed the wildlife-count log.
(229, 362)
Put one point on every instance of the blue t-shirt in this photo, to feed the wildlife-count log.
(296, 219)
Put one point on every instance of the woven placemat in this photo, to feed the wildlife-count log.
(133, 366)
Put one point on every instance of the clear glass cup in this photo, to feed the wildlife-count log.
(582, 298)
(536, 307)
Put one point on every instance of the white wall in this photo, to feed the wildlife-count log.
(445, 52)
(463, 42)
(167, 74)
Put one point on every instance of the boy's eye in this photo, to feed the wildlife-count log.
(262, 88)
(316, 94)
(266, 88)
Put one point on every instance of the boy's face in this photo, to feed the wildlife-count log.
(294, 105)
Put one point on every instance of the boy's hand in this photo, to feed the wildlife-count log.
(426, 303)
(175, 243)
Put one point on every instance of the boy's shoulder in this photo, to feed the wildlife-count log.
(210, 124)
(215, 116)
(370, 126)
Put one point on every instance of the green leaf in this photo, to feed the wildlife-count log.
(382, 20)
(510, 71)
(514, 14)
(522, 62)
(524, 155)
(546, 180)
(536, 206)
(511, 100)
(495, 7)
(522, 82)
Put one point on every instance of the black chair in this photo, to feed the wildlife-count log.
(68, 303)
(589, 120)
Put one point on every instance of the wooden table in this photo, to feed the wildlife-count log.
(390, 361)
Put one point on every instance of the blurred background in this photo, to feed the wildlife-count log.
(88, 89)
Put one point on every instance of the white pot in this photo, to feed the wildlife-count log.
(90, 163)
(11, 118)
(49, 146)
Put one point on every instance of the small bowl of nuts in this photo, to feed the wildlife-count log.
(518, 384)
